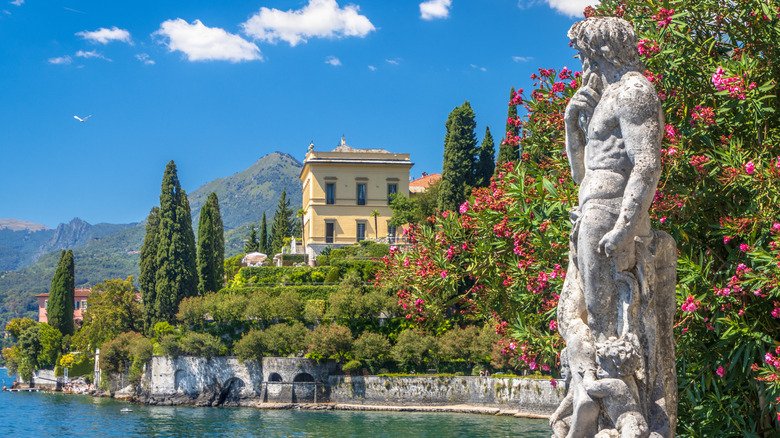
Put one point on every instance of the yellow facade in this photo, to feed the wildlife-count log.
(342, 188)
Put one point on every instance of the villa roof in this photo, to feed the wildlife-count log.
(421, 184)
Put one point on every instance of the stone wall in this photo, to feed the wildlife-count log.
(225, 381)
(527, 396)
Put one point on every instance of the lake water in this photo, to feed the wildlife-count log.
(41, 414)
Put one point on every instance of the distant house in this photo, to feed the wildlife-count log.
(79, 304)
(341, 189)
(420, 185)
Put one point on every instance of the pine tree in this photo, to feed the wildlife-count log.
(148, 267)
(263, 246)
(177, 275)
(460, 147)
(60, 307)
(486, 162)
(211, 247)
(281, 227)
(507, 153)
(252, 244)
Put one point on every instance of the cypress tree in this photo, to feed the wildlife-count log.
(507, 153)
(148, 267)
(219, 237)
(486, 164)
(263, 246)
(60, 308)
(460, 147)
(281, 227)
(211, 247)
(176, 276)
(252, 244)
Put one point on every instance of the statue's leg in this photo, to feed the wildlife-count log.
(596, 271)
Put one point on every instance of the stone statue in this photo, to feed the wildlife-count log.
(617, 305)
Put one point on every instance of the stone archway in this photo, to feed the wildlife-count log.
(231, 391)
(179, 380)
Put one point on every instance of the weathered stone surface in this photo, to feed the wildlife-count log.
(617, 304)
(524, 396)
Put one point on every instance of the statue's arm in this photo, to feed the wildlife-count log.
(581, 106)
(641, 124)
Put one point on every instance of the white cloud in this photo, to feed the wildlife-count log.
(318, 19)
(202, 43)
(522, 58)
(433, 9)
(143, 57)
(474, 66)
(372, 68)
(60, 60)
(91, 54)
(395, 61)
(332, 60)
(572, 8)
(17, 2)
(105, 36)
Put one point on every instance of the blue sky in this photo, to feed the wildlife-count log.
(216, 85)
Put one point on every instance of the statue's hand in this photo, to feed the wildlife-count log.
(613, 241)
(583, 102)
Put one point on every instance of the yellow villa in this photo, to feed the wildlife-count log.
(343, 188)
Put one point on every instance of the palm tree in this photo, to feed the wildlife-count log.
(374, 214)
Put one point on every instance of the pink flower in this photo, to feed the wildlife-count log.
(444, 274)
(750, 168)
(726, 239)
(744, 247)
(464, 207)
(558, 87)
(554, 384)
(545, 367)
(553, 324)
(690, 304)
(663, 219)
(720, 372)
(533, 366)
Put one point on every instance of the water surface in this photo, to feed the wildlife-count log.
(41, 414)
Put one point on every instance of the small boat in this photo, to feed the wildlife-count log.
(126, 410)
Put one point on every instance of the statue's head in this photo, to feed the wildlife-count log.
(616, 358)
(611, 38)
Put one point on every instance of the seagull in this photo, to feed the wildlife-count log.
(82, 120)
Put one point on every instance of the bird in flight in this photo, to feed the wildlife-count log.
(82, 120)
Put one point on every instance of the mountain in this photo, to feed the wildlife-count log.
(106, 251)
(17, 225)
(23, 243)
(111, 256)
(244, 196)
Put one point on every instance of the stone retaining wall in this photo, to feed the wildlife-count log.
(225, 381)
(526, 396)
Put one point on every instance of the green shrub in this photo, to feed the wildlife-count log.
(201, 344)
(352, 366)
(169, 346)
(284, 339)
(251, 346)
(333, 275)
(323, 260)
(314, 310)
(329, 340)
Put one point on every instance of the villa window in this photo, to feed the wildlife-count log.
(361, 194)
(329, 228)
(83, 304)
(45, 304)
(76, 305)
(330, 193)
(361, 231)
(392, 190)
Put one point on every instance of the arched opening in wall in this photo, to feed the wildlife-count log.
(303, 377)
(231, 392)
(274, 377)
(304, 388)
(178, 380)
